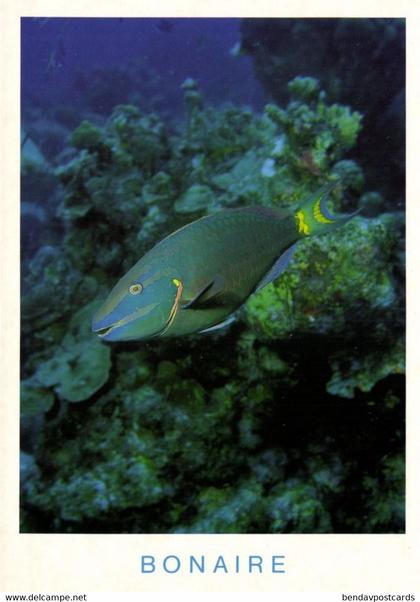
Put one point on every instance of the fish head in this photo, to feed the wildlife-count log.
(140, 306)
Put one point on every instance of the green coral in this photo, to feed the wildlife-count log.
(349, 174)
(346, 123)
(364, 372)
(316, 132)
(334, 52)
(196, 199)
(57, 289)
(326, 281)
(388, 508)
(192, 97)
(227, 510)
(87, 136)
(34, 399)
(114, 477)
(304, 88)
(75, 370)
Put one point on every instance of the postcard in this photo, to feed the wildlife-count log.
(205, 332)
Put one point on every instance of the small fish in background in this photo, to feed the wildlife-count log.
(42, 21)
(57, 57)
(236, 50)
(165, 26)
(197, 277)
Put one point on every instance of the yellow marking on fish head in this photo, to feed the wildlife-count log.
(303, 227)
(175, 306)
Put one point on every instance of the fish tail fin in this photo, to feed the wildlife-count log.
(313, 217)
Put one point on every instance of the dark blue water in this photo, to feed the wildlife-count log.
(58, 53)
(81, 68)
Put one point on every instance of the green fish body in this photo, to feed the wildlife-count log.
(195, 278)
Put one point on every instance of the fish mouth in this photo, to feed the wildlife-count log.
(104, 331)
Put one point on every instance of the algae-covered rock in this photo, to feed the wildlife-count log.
(317, 133)
(32, 159)
(29, 473)
(116, 477)
(53, 287)
(196, 199)
(157, 189)
(304, 88)
(142, 138)
(349, 174)
(227, 511)
(80, 365)
(364, 372)
(34, 399)
(192, 97)
(77, 370)
(280, 47)
(388, 509)
(44, 130)
(327, 282)
(99, 491)
(87, 136)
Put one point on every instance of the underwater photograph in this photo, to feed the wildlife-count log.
(212, 275)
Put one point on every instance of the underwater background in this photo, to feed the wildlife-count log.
(289, 420)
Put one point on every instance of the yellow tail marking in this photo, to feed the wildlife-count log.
(301, 224)
(319, 216)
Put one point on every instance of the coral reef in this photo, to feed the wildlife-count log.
(335, 52)
(39, 196)
(290, 420)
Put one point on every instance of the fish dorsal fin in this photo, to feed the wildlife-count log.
(212, 295)
(279, 267)
(220, 325)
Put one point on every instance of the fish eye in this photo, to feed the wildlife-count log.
(135, 289)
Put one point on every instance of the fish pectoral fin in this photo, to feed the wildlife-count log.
(201, 296)
(211, 296)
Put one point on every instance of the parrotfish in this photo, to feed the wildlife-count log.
(198, 276)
